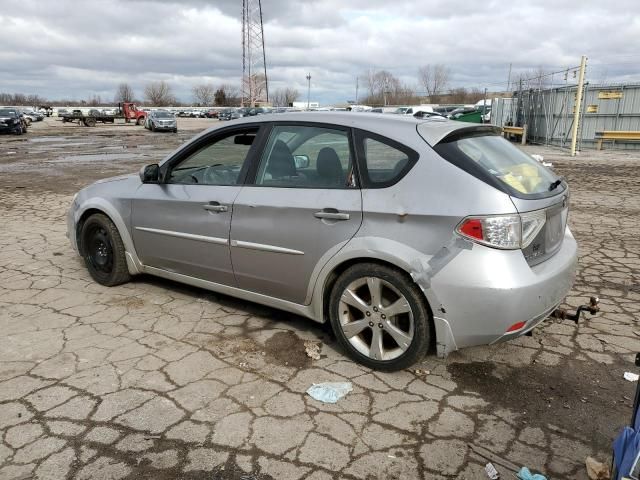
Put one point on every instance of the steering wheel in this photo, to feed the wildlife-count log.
(218, 173)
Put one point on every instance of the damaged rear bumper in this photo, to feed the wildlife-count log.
(484, 292)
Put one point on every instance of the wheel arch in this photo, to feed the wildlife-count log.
(100, 205)
(336, 270)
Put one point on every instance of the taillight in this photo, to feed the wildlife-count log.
(509, 232)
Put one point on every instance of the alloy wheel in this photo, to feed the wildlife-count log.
(376, 318)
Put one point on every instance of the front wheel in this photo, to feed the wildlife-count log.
(379, 316)
(153, 127)
(140, 121)
(103, 251)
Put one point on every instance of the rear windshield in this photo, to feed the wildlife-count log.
(491, 157)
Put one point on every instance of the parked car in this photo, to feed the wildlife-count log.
(461, 111)
(401, 110)
(211, 114)
(263, 110)
(62, 111)
(442, 235)
(417, 109)
(159, 120)
(33, 115)
(10, 121)
(231, 114)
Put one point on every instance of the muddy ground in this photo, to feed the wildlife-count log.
(154, 379)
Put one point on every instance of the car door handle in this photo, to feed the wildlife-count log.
(331, 214)
(215, 207)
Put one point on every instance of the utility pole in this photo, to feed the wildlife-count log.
(484, 106)
(308, 90)
(578, 106)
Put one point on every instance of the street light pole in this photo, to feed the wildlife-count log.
(308, 90)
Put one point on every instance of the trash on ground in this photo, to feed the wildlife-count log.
(540, 159)
(597, 470)
(492, 473)
(525, 474)
(632, 377)
(329, 392)
(420, 372)
(493, 457)
(312, 349)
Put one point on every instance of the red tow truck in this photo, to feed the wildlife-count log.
(127, 111)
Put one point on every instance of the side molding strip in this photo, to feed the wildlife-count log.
(264, 248)
(188, 236)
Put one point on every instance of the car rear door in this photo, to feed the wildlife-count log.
(182, 225)
(303, 206)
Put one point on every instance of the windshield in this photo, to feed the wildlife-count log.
(501, 160)
(5, 112)
(163, 115)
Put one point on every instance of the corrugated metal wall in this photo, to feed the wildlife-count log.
(549, 113)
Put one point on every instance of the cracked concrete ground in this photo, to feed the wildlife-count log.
(153, 379)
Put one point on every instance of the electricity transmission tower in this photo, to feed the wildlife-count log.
(255, 87)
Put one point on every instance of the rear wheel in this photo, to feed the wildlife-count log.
(379, 316)
(103, 251)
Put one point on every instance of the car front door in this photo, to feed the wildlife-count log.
(182, 224)
(303, 206)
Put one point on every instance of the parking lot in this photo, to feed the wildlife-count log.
(154, 379)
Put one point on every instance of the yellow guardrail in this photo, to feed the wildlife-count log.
(627, 135)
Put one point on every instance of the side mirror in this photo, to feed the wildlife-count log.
(302, 161)
(150, 173)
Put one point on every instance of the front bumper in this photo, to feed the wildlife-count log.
(71, 225)
(484, 291)
(170, 127)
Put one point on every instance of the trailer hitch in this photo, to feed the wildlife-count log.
(563, 314)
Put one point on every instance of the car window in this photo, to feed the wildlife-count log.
(306, 157)
(218, 163)
(385, 163)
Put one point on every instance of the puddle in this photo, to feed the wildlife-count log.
(47, 139)
(92, 157)
(286, 348)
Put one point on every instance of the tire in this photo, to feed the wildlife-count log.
(140, 121)
(402, 339)
(103, 251)
(175, 130)
(153, 127)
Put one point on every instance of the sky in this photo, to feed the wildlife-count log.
(76, 49)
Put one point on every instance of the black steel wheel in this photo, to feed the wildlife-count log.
(103, 251)
(380, 317)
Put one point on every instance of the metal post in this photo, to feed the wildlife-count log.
(484, 106)
(578, 106)
(308, 90)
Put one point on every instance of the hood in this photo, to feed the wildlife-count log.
(119, 178)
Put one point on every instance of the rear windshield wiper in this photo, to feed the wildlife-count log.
(555, 184)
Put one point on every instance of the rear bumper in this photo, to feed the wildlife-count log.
(484, 291)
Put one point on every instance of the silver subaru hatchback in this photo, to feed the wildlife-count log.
(407, 235)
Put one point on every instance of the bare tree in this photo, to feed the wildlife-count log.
(385, 89)
(284, 97)
(124, 93)
(434, 80)
(159, 94)
(226, 96)
(537, 78)
(204, 94)
(256, 87)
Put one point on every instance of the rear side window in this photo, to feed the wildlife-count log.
(385, 161)
(499, 163)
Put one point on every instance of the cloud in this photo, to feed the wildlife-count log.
(72, 49)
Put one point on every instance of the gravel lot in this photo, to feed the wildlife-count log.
(158, 380)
